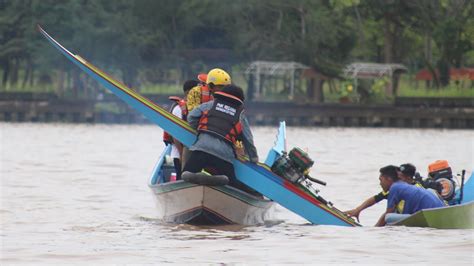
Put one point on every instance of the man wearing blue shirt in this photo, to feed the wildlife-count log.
(415, 198)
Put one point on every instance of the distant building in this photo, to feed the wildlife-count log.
(454, 74)
(274, 78)
(361, 70)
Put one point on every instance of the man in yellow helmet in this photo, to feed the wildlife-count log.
(215, 80)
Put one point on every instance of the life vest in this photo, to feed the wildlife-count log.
(167, 139)
(223, 119)
(205, 94)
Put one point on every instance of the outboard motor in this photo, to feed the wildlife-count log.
(295, 166)
(440, 178)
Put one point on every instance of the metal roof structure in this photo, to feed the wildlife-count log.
(361, 70)
(259, 69)
(273, 68)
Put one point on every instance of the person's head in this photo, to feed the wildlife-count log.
(231, 92)
(217, 79)
(188, 85)
(407, 172)
(388, 176)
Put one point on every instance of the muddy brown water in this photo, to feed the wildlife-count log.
(78, 194)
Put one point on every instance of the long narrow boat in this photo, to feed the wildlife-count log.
(182, 202)
(450, 217)
(292, 196)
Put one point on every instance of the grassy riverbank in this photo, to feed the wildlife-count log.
(373, 91)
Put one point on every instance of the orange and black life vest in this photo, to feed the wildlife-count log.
(223, 119)
(184, 113)
(205, 94)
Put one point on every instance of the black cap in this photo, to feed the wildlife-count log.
(189, 84)
(234, 91)
(408, 169)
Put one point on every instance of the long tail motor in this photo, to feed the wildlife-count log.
(295, 167)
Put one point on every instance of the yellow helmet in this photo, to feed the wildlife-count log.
(218, 76)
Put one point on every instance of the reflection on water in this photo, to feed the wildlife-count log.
(78, 193)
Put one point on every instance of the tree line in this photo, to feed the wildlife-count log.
(156, 40)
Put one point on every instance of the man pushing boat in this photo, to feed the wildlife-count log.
(221, 124)
(406, 172)
(415, 198)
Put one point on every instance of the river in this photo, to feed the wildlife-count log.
(78, 194)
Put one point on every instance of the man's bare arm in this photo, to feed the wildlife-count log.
(355, 212)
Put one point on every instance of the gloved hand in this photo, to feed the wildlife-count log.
(239, 149)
